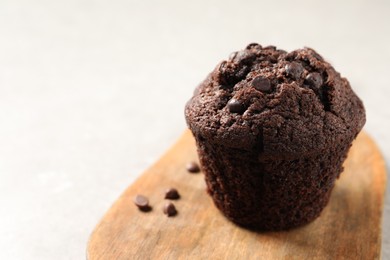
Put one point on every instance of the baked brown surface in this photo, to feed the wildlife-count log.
(273, 129)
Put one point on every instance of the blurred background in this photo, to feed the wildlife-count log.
(92, 93)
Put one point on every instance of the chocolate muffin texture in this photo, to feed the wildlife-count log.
(272, 130)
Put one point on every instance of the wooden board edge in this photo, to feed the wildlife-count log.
(380, 170)
(183, 139)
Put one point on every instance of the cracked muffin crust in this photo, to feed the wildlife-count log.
(272, 130)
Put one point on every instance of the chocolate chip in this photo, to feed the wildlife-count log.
(169, 209)
(291, 56)
(227, 73)
(314, 80)
(270, 47)
(222, 67)
(317, 56)
(193, 167)
(223, 75)
(172, 194)
(232, 55)
(253, 45)
(245, 57)
(241, 74)
(294, 69)
(262, 84)
(142, 203)
(235, 106)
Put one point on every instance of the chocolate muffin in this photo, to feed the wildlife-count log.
(273, 129)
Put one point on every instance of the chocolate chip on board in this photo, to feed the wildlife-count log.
(193, 167)
(172, 194)
(142, 203)
(169, 209)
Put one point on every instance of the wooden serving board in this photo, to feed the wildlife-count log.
(348, 228)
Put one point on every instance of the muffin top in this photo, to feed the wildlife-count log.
(279, 103)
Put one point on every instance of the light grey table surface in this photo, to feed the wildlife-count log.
(92, 93)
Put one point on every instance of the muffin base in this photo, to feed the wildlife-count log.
(272, 193)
